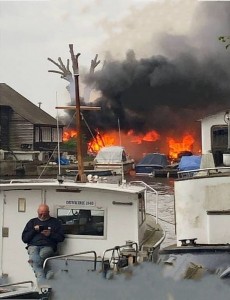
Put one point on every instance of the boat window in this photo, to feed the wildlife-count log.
(81, 221)
(141, 209)
(219, 137)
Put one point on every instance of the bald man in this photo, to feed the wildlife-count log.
(42, 234)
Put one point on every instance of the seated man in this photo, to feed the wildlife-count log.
(42, 234)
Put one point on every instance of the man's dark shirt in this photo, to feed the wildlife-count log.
(32, 237)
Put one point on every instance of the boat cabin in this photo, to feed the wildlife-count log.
(113, 158)
(201, 196)
(94, 217)
(214, 131)
(151, 162)
(205, 205)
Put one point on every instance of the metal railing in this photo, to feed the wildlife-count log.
(67, 256)
(148, 187)
(17, 283)
(203, 172)
(34, 180)
(116, 255)
(118, 248)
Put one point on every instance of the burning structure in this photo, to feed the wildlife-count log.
(141, 124)
(159, 100)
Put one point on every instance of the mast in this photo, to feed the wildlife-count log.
(66, 74)
(81, 176)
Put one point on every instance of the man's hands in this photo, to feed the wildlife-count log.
(36, 227)
(46, 232)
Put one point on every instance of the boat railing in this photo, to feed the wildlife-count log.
(68, 256)
(34, 180)
(203, 172)
(119, 256)
(148, 188)
(16, 284)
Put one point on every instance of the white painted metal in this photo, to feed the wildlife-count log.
(121, 219)
(194, 198)
(206, 125)
(113, 158)
(226, 159)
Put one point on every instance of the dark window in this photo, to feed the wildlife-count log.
(219, 137)
(82, 221)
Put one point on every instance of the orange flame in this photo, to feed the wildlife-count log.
(171, 146)
(150, 136)
(176, 147)
(102, 140)
(114, 138)
(68, 134)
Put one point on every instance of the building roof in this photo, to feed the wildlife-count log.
(23, 107)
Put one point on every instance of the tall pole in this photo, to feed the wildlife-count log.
(227, 120)
(81, 176)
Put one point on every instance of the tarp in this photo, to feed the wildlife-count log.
(154, 159)
(189, 163)
(111, 155)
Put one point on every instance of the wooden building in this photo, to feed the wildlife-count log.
(25, 126)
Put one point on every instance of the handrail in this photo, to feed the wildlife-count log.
(157, 243)
(160, 241)
(118, 248)
(151, 189)
(34, 180)
(69, 255)
(190, 173)
(17, 283)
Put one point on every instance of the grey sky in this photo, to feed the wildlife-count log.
(31, 31)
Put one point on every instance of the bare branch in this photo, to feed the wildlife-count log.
(94, 64)
(74, 59)
(225, 39)
(65, 71)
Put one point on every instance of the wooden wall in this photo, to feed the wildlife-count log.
(5, 113)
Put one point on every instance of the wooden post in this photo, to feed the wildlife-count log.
(65, 73)
(81, 176)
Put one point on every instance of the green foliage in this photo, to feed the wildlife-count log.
(70, 145)
(226, 40)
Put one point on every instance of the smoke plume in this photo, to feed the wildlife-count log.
(171, 90)
(168, 93)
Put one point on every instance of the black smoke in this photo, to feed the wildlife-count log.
(159, 93)
(168, 93)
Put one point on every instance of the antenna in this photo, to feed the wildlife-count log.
(119, 130)
(122, 165)
(58, 141)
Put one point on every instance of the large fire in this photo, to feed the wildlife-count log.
(150, 136)
(184, 144)
(138, 144)
(69, 134)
